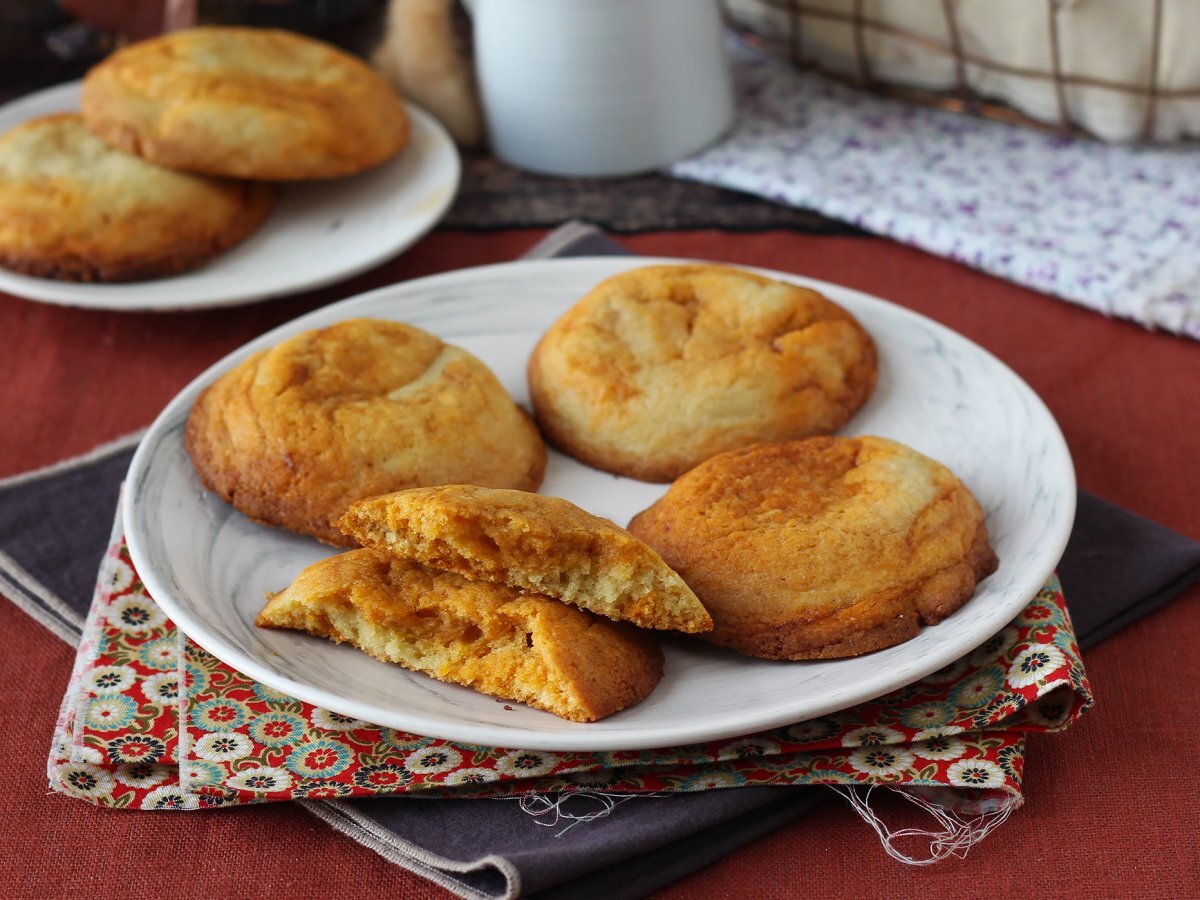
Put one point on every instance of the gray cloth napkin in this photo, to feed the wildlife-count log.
(54, 528)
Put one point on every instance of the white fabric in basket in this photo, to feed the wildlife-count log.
(1103, 46)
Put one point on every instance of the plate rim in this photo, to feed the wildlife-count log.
(572, 737)
(76, 294)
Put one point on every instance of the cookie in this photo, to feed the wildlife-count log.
(532, 542)
(822, 548)
(660, 368)
(489, 637)
(74, 209)
(295, 434)
(245, 103)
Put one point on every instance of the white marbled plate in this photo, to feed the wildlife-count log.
(319, 232)
(210, 568)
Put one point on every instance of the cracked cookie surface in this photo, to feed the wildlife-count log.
(74, 209)
(253, 103)
(821, 548)
(660, 368)
(296, 433)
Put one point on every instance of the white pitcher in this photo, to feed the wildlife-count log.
(600, 87)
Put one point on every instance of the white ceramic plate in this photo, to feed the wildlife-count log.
(209, 567)
(318, 233)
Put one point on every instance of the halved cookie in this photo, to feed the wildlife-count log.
(530, 541)
(659, 368)
(245, 103)
(821, 548)
(295, 434)
(74, 209)
(489, 637)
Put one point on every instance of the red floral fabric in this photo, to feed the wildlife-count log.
(152, 721)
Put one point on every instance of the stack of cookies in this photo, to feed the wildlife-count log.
(168, 165)
(515, 594)
(775, 539)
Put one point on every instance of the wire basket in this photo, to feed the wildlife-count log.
(1118, 70)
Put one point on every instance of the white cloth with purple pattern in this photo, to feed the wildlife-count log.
(1112, 227)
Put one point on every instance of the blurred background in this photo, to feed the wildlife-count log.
(45, 42)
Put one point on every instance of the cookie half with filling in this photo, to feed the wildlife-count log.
(495, 639)
(530, 542)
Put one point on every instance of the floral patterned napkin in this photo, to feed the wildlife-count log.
(1112, 227)
(152, 721)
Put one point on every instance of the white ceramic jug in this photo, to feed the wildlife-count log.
(600, 87)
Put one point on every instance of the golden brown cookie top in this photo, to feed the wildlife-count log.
(660, 368)
(296, 433)
(71, 207)
(488, 636)
(534, 542)
(246, 103)
(836, 485)
(821, 547)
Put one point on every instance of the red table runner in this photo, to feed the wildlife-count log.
(1125, 399)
